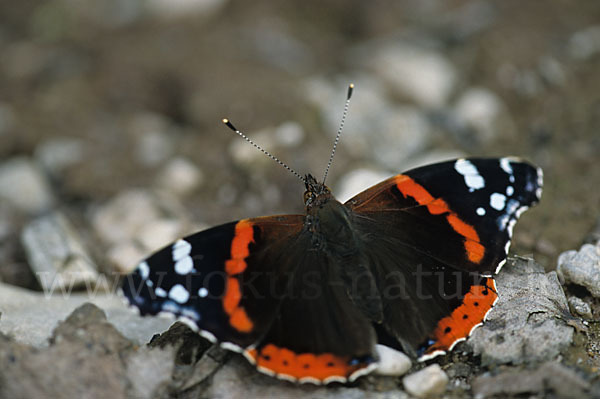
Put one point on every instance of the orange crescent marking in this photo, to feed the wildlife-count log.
(244, 235)
(476, 303)
(300, 365)
(437, 206)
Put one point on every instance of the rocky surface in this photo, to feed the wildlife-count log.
(111, 116)
(529, 323)
(581, 268)
(56, 254)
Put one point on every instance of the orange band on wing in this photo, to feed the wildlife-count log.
(437, 206)
(286, 363)
(244, 235)
(476, 303)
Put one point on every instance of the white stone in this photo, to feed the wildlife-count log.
(180, 177)
(56, 255)
(428, 382)
(585, 43)
(23, 185)
(180, 8)
(392, 362)
(59, 153)
(153, 144)
(121, 218)
(289, 134)
(483, 111)
(423, 75)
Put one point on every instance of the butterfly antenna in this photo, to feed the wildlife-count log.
(228, 123)
(339, 132)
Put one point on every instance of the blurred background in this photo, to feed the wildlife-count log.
(110, 112)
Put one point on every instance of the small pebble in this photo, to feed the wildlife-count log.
(580, 307)
(482, 110)
(426, 383)
(180, 177)
(24, 186)
(581, 268)
(585, 43)
(392, 362)
(121, 218)
(59, 153)
(422, 74)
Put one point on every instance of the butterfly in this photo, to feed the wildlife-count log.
(408, 263)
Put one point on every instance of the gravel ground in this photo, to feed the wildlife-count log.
(111, 146)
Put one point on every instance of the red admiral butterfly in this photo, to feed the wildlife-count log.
(408, 263)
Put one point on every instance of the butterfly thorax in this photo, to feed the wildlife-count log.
(327, 220)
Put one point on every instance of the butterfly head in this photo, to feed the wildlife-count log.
(316, 193)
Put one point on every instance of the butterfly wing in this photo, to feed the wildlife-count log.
(440, 229)
(225, 280)
(258, 287)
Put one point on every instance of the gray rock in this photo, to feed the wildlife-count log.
(580, 307)
(7, 118)
(180, 177)
(153, 144)
(149, 371)
(137, 222)
(56, 255)
(553, 377)
(526, 324)
(581, 268)
(289, 134)
(212, 360)
(57, 154)
(23, 185)
(180, 8)
(30, 317)
(424, 75)
(585, 43)
(482, 111)
(426, 383)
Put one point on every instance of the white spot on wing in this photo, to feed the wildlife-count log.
(179, 294)
(144, 270)
(510, 190)
(160, 292)
(506, 166)
(203, 292)
(497, 201)
(480, 211)
(181, 249)
(184, 265)
(473, 179)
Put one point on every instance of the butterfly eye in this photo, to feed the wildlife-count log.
(308, 196)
